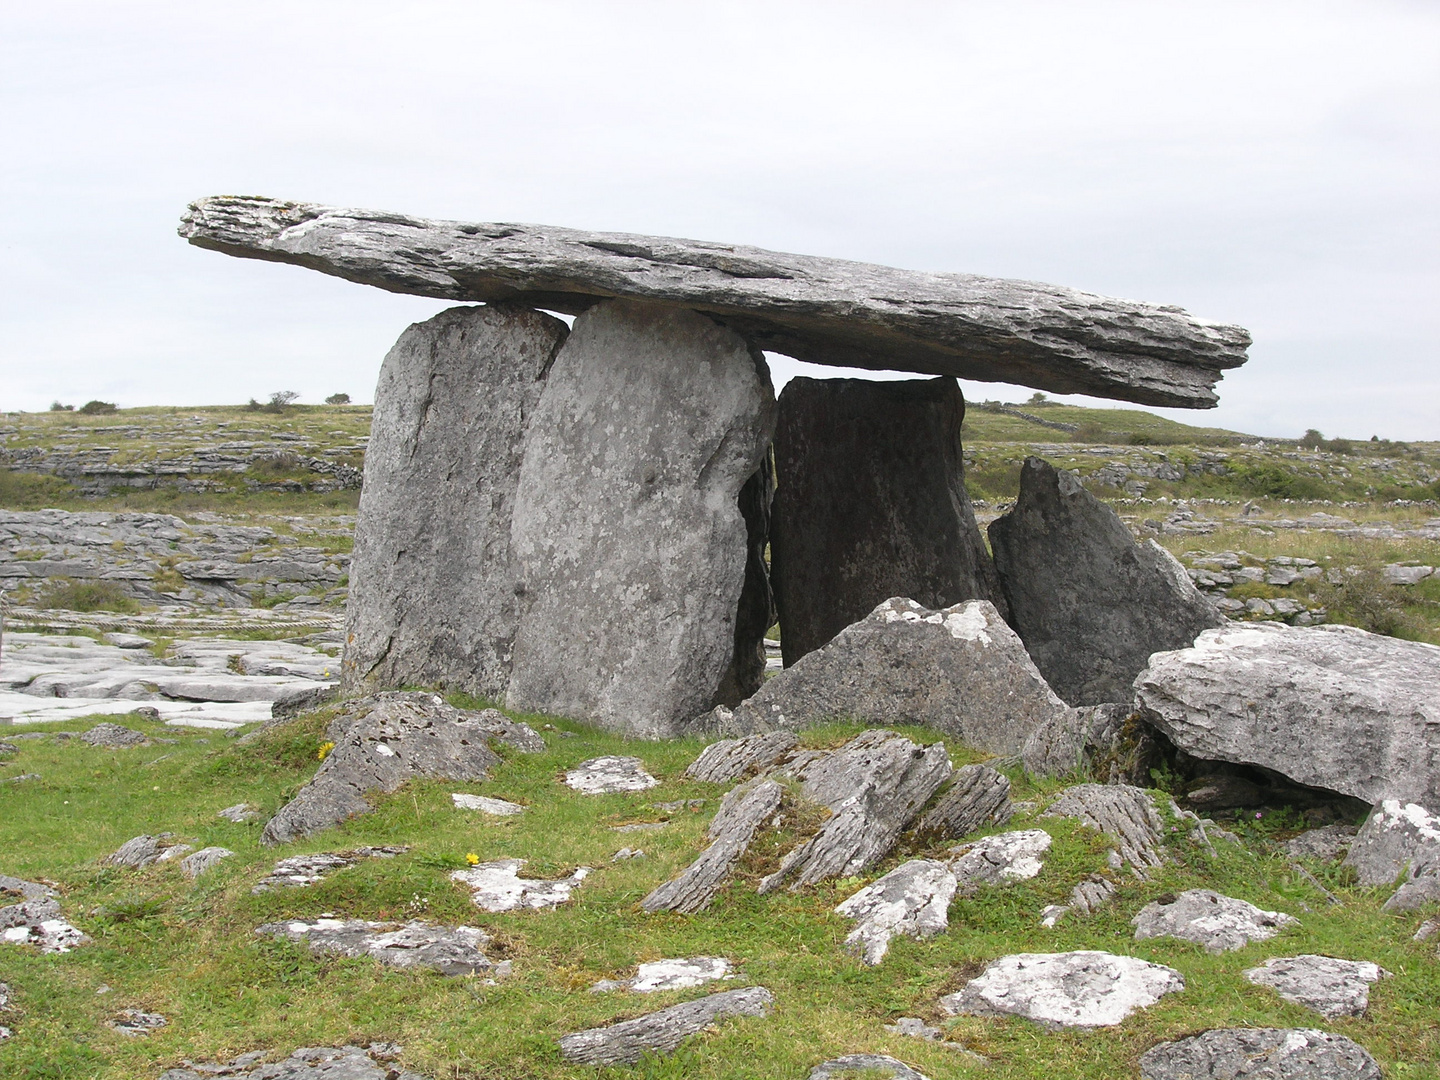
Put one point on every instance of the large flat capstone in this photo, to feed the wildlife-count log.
(432, 596)
(632, 552)
(827, 311)
(871, 504)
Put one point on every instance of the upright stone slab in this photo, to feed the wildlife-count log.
(1090, 603)
(871, 504)
(632, 548)
(432, 590)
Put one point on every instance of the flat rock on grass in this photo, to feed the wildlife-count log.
(136, 1022)
(1330, 986)
(1219, 923)
(36, 919)
(1000, 859)
(498, 886)
(486, 805)
(299, 871)
(142, 851)
(205, 859)
(659, 975)
(608, 775)
(1121, 811)
(1075, 989)
(876, 1065)
(307, 1063)
(1323, 845)
(240, 813)
(113, 735)
(1260, 1054)
(626, 1042)
(977, 796)
(450, 950)
(912, 900)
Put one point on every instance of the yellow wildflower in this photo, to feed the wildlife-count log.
(324, 751)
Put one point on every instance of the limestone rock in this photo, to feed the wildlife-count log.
(871, 504)
(877, 1065)
(977, 796)
(307, 1063)
(608, 775)
(498, 886)
(432, 585)
(1121, 811)
(1396, 839)
(1329, 706)
(826, 311)
(1219, 923)
(626, 1042)
(240, 813)
(999, 859)
(734, 759)
(965, 674)
(1074, 740)
(1075, 989)
(205, 859)
(1330, 986)
(661, 975)
(630, 543)
(1261, 1054)
(113, 735)
(136, 1022)
(486, 805)
(141, 851)
(126, 641)
(913, 900)
(36, 919)
(450, 950)
(1324, 844)
(302, 871)
(1089, 602)
(386, 739)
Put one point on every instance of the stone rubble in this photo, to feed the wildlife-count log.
(1219, 923)
(660, 975)
(486, 805)
(302, 871)
(609, 775)
(626, 1042)
(450, 950)
(1259, 1054)
(136, 1022)
(498, 886)
(1330, 986)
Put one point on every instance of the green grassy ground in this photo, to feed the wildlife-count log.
(187, 949)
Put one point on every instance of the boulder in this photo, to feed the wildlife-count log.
(626, 1042)
(965, 674)
(302, 871)
(450, 950)
(999, 860)
(1123, 812)
(498, 886)
(632, 550)
(114, 736)
(141, 851)
(608, 775)
(913, 900)
(1259, 1054)
(1076, 740)
(871, 504)
(977, 796)
(876, 1065)
(734, 759)
(1059, 990)
(826, 311)
(1330, 986)
(1332, 707)
(1396, 840)
(661, 975)
(382, 741)
(432, 585)
(1090, 603)
(1219, 923)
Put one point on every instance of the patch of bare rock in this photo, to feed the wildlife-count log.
(680, 974)
(486, 805)
(450, 950)
(375, 1062)
(1331, 986)
(609, 775)
(301, 871)
(498, 886)
(1219, 923)
(1260, 1054)
(1086, 988)
(142, 851)
(876, 1065)
(36, 918)
(1399, 842)
(136, 1022)
(627, 1041)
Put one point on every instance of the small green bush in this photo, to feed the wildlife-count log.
(71, 595)
(99, 408)
(338, 399)
(1089, 432)
(1365, 600)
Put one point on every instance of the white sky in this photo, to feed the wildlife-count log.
(1264, 163)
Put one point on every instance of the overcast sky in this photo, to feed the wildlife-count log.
(1262, 163)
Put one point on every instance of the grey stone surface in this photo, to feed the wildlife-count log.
(486, 805)
(1000, 859)
(626, 1042)
(1089, 602)
(450, 950)
(912, 900)
(385, 739)
(609, 775)
(871, 504)
(206, 858)
(1219, 923)
(432, 583)
(977, 796)
(1058, 990)
(826, 311)
(301, 871)
(850, 1065)
(240, 813)
(1397, 839)
(308, 1063)
(142, 851)
(1075, 741)
(631, 548)
(734, 759)
(965, 674)
(1324, 844)
(126, 641)
(1124, 812)
(113, 735)
(678, 974)
(36, 918)
(136, 1022)
(1328, 706)
(1259, 1054)
(1330, 986)
(498, 886)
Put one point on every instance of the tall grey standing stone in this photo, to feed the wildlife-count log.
(628, 534)
(432, 589)
(1090, 603)
(871, 504)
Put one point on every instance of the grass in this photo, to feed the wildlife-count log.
(187, 949)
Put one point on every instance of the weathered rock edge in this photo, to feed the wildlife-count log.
(826, 311)
(625, 1043)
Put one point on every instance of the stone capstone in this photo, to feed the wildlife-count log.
(450, 950)
(631, 548)
(912, 900)
(876, 1065)
(1089, 602)
(1219, 923)
(826, 311)
(662, 975)
(609, 775)
(626, 1042)
(1259, 1054)
(1332, 707)
(498, 886)
(308, 1063)
(432, 582)
(1330, 986)
(978, 796)
(871, 504)
(1058, 990)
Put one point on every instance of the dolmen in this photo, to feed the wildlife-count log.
(574, 519)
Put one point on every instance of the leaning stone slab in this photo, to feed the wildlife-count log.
(1330, 986)
(661, 975)
(626, 1042)
(386, 739)
(633, 555)
(826, 311)
(450, 950)
(302, 871)
(912, 900)
(1001, 859)
(735, 759)
(1121, 811)
(1058, 990)
(965, 674)
(308, 1063)
(877, 1065)
(432, 597)
(1259, 1054)
(977, 796)
(1089, 602)
(1074, 741)
(1219, 923)
(609, 775)
(1329, 706)
(870, 504)
(498, 886)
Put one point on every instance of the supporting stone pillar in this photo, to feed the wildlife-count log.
(870, 505)
(628, 534)
(432, 590)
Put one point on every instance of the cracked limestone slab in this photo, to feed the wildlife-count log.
(375, 1062)
(877, 1065)
(626, 1042)
(1331, 986)
(300, 871)
(1122, 811)
(680, 974)
(1219, 923)
(498, 886)
(608, 775)
(486, 805)
(735, 759)
(912, 900)
(1259, 1054)
(450, 950)
(977, 796)
(1000, 859)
